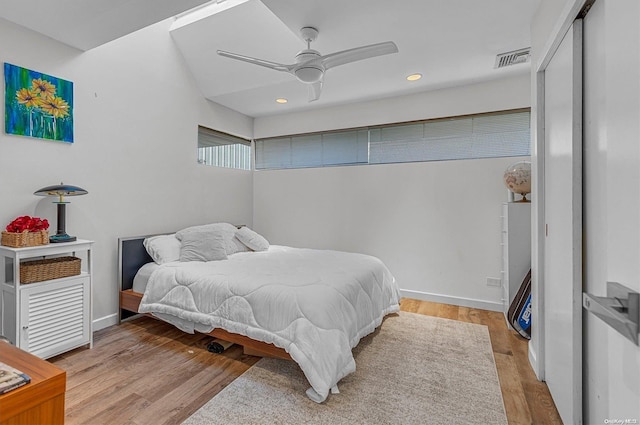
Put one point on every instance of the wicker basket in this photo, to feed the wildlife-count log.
(49, 268)
(21, 240)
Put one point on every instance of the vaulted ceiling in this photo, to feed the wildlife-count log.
(453, 42)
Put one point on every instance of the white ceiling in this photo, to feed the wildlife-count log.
(452, 42)
(85, 24)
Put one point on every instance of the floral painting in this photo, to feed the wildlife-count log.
(37, 105)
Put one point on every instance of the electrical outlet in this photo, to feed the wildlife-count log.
(492, 281)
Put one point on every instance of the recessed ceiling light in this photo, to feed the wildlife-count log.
(414, 77)
(281, 100)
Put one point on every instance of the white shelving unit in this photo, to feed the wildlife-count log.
(50, 317)
(516, 248)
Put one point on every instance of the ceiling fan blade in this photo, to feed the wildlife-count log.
(255, 61)
(358, 53)
(314, 91)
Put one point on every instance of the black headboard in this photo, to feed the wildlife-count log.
(131, 256)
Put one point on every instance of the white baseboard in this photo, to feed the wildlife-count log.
(105, 322)
(447, 299)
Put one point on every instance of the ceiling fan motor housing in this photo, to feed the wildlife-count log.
(308, 71)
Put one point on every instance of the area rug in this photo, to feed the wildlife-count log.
(414, 369)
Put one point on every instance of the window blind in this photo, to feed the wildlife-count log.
(313, 150)
(485, 136)
(479, 136)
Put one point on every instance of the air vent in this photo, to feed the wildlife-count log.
(513, 58)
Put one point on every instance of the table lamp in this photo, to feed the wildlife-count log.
(61, 191)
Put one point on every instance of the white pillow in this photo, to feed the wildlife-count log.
(252, 239)
(163, 248)
(203, 246)
(239, 246)
(226, 230)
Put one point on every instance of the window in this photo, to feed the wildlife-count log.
(478, 136)
(313, 150)
(223, 150)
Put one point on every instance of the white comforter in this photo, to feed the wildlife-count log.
(315, 304)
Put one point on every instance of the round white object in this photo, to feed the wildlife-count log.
(517, 178)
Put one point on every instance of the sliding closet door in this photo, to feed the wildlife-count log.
(612, 202)
(563, 226)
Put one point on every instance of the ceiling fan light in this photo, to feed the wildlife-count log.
(309, 74)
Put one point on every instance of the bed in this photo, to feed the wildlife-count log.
(310, 306)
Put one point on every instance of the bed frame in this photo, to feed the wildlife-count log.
(131, 256)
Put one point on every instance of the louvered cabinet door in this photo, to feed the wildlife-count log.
(54, 316)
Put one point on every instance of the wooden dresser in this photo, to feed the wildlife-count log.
(39, 402)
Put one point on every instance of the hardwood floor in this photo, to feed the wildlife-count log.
(147, 372)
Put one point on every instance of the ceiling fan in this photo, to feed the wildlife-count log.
(310, 65)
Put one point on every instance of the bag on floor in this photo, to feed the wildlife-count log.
(519, 314)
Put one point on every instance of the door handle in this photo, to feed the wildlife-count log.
(620, 309)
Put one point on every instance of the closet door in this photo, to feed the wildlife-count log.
(563, 226)
(612, 202)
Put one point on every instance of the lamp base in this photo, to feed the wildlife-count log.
(59, 238)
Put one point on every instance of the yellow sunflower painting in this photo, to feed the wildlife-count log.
(38, 105)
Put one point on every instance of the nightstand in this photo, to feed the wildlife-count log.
(50, 317)
(39, 402)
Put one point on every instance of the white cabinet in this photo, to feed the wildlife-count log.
(49, 317)
(516, 248)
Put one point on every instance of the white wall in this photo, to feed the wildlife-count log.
(436, 224)
(136, 116)
(506, 93)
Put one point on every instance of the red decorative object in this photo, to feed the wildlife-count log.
(27, 224)
(26, 231)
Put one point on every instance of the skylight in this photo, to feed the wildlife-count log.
(203, 11)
